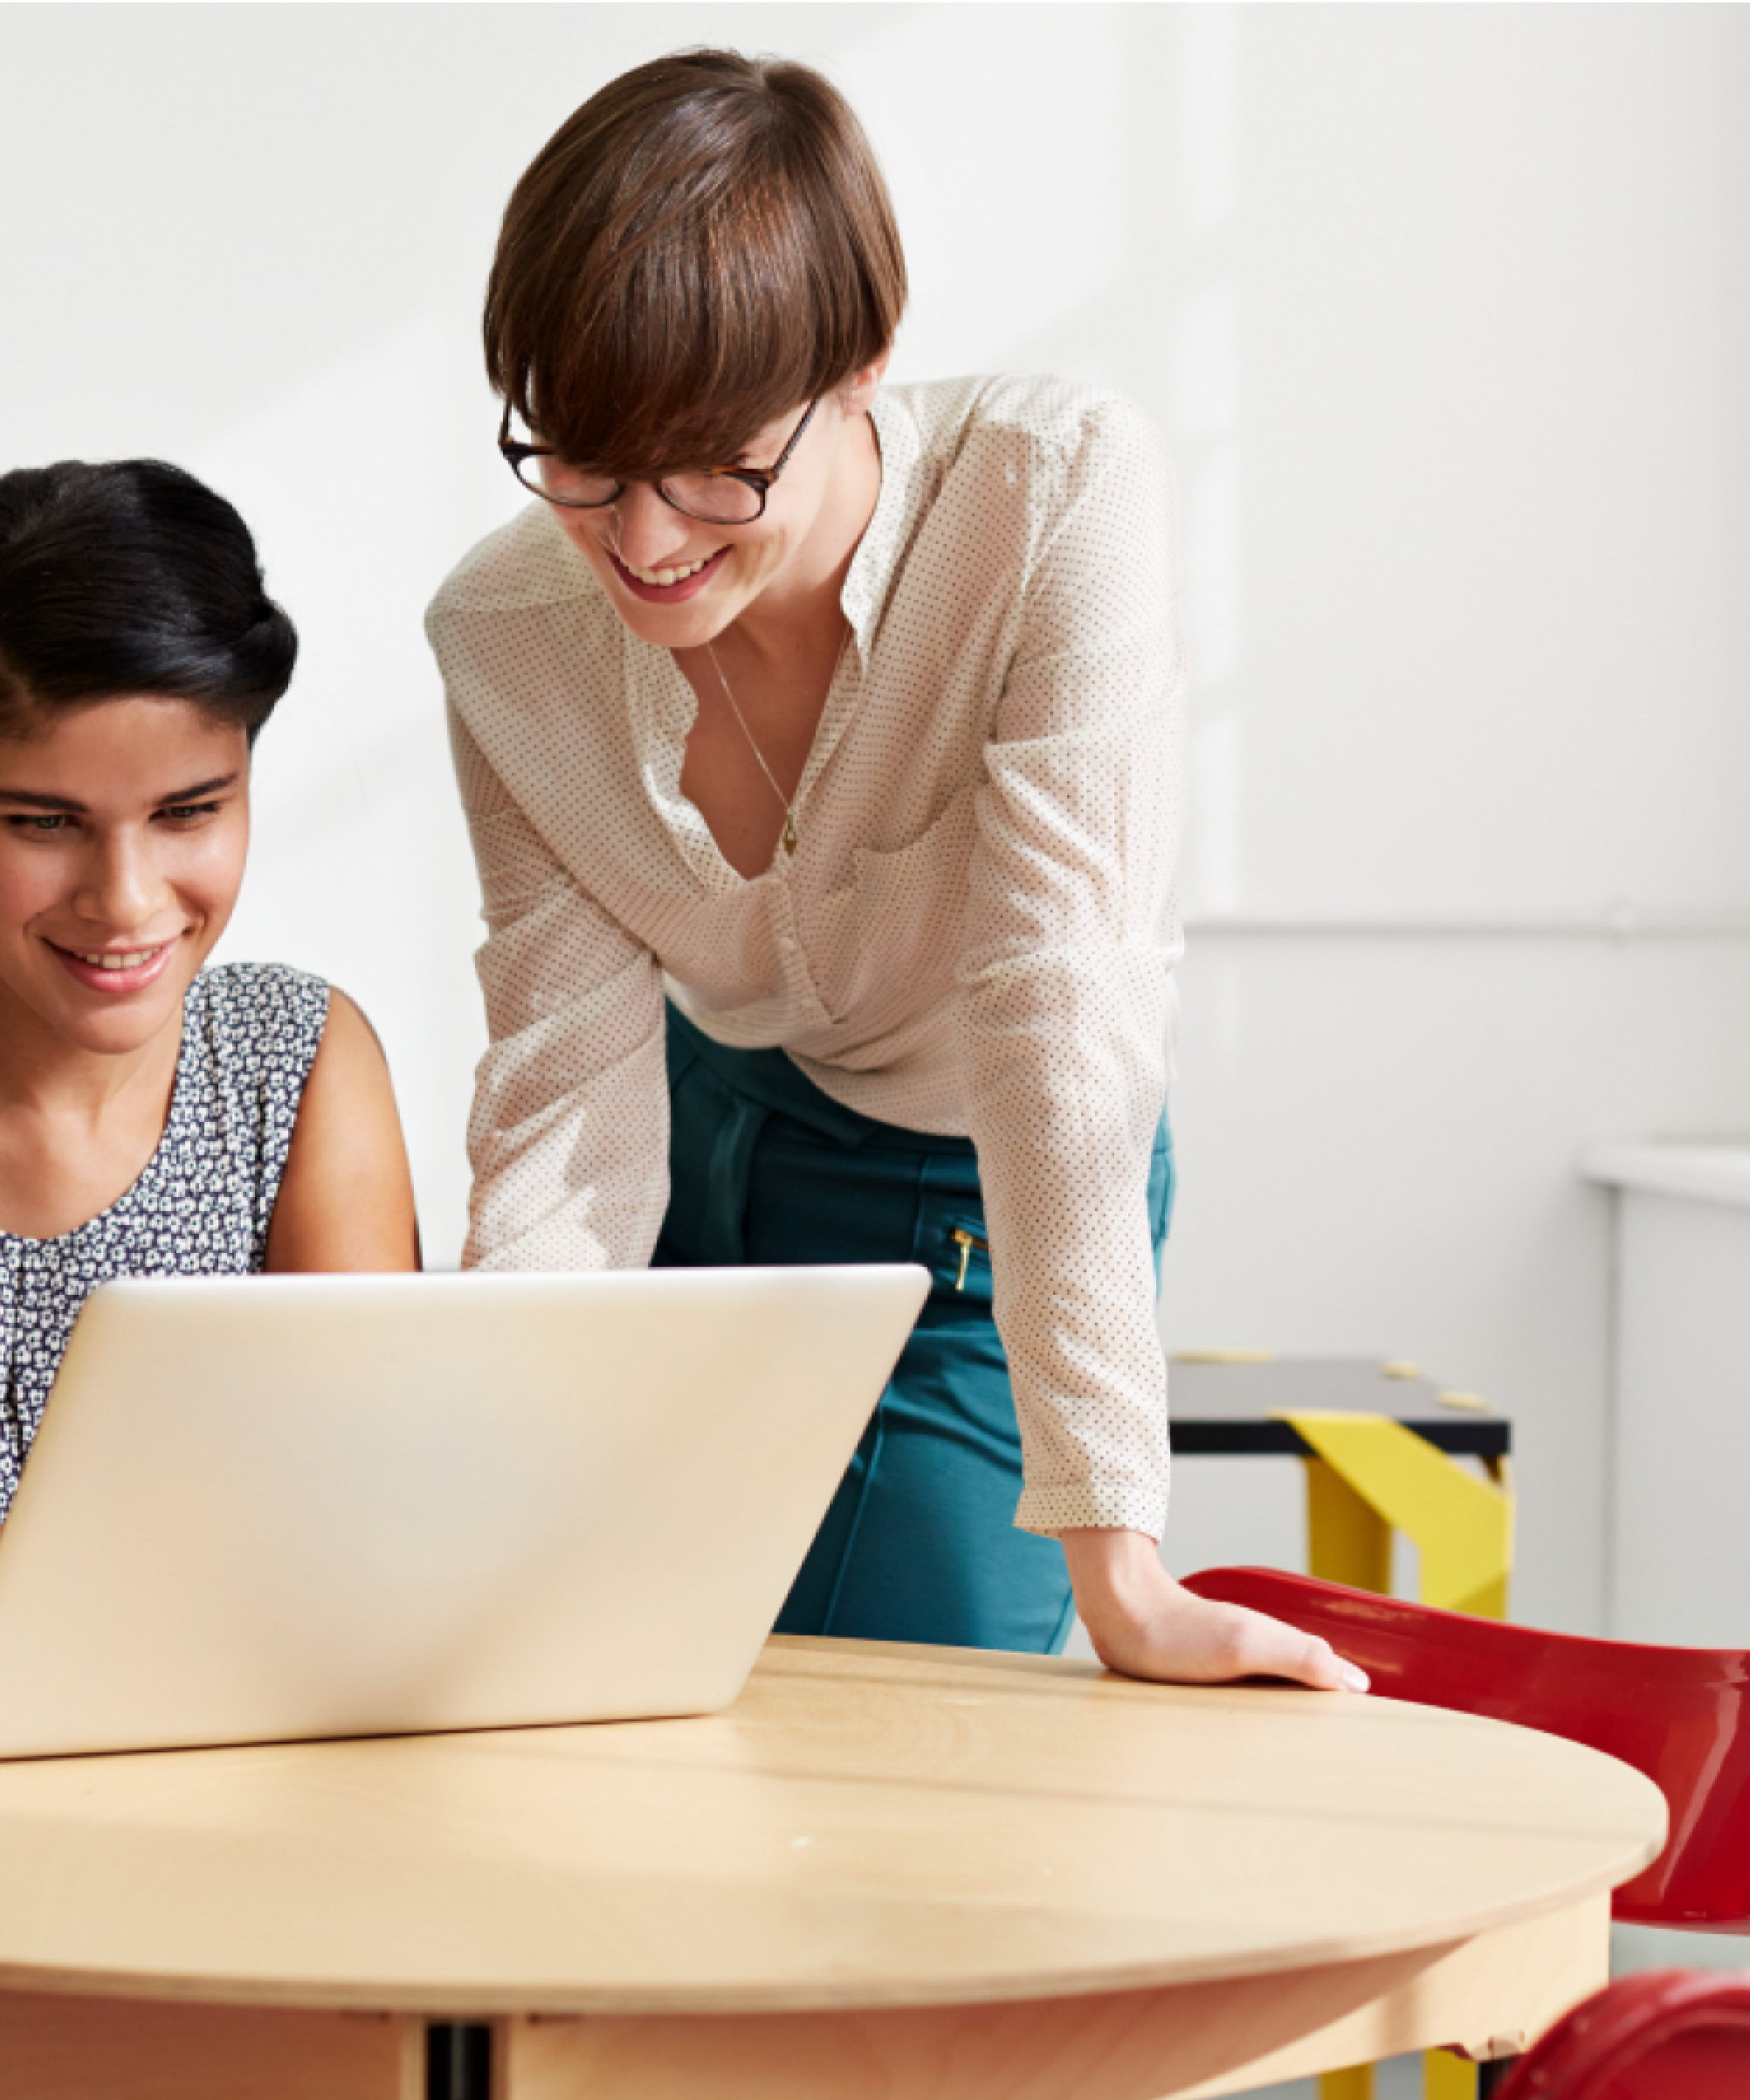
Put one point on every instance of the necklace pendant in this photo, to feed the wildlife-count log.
(789, 834)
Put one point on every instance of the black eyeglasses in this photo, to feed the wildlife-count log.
(717, 495)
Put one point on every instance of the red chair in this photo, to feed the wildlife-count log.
(1678, 1714)
(1674, 2034)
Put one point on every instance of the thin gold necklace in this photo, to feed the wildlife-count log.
(790, 832)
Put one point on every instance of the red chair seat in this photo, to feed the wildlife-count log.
(1677, 1714)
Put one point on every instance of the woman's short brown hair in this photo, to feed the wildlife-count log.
(706, 244)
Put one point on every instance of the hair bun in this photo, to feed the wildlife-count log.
(133, 577)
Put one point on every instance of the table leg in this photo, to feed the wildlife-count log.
(1347, 1540)
(459, 2060)
(1449, 2077)
(1462, 1526)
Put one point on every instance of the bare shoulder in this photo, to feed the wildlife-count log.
(351, 1050)
(346, 1201)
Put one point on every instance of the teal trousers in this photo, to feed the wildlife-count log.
(920, 1542)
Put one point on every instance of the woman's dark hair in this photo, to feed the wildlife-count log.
(132, 577)
(705, 245)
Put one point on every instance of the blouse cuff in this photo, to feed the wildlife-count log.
(1123, 1505)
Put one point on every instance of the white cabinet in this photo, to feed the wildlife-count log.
(1680, 1484)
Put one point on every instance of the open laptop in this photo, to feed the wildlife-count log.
(267, 1508)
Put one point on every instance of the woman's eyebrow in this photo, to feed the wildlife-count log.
(200, 790)
(64, 805)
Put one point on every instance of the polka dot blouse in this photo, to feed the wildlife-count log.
(202, 1207)
(977, 931)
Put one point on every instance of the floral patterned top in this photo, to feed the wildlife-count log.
(203, 1206)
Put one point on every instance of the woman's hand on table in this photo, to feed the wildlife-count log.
(1143, 1622)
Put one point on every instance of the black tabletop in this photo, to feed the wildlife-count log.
(1225, 1407)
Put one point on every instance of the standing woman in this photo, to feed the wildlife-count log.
(821, 746)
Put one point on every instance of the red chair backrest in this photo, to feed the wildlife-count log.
(1678, 1714)
(1674, 2035)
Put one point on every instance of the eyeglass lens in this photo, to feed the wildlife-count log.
(718, 499)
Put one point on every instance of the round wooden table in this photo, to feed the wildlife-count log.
(886, 1870)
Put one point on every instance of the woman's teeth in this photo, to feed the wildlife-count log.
(667, 576)
(119, 963)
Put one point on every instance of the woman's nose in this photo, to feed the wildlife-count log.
(646, 532)
(120, 889)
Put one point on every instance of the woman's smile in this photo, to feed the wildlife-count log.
(116, 972)
(668, 586)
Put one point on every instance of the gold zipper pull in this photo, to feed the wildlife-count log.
(965, 1242)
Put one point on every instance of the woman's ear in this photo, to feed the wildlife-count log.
(858, 394)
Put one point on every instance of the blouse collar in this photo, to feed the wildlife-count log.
(896, 507)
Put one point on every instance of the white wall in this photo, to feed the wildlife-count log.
(1460, 386)
(1446, 312)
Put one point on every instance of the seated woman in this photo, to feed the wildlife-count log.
(156, 1118)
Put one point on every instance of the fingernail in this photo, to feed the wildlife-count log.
(1354, 1679)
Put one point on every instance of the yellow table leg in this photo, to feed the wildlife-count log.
(1371, 1476)
(1462, 1526)
(1445, 2076)
(1347, 1540)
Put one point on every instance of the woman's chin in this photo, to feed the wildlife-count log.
(124, 1034)
(688, 625)
(115, 1027)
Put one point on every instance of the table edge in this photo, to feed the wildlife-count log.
(385, 1996)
